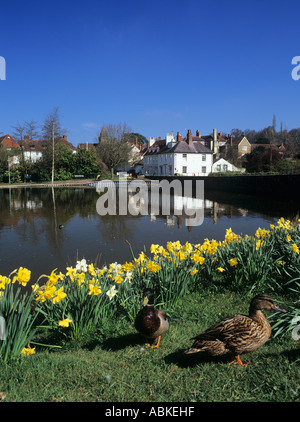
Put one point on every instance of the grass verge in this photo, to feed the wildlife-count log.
(115, 365)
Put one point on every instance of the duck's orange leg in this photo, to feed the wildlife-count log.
(239, 362)
(157, 345)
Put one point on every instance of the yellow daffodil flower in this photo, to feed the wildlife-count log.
(3, 281)
(259, 244)
(28, 351)
(80, 278)
(59, 295)
(91, 270)
(233, 262)
(64, 322)
(152, 267)
(53, 277)
(154, 248)
(94, 289)
(23, 276)
(71, 272)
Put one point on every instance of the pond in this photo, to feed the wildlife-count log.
(31, 237)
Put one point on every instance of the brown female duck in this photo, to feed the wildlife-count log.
(237, 334)
(150, 322)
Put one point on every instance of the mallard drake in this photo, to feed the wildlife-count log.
(237, 334)
(150, 322)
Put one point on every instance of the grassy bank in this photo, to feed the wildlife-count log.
(71, 336)
(115, 365)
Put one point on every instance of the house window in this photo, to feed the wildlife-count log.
(244, 147)
(184, 169)
(203, 169)
(203, 157)
(184, 156)
(218, 167)
(225, 167)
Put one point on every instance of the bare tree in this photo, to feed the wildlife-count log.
(31, 129)
(52, 131)
(113, 149)
(19, 130)
(117, 131)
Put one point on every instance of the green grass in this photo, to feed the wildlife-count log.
(115, 365)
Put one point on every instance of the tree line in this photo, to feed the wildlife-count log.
(113, 148)
(59, 162)
(265, 157)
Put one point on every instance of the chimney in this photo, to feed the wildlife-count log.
(65, 137)
(190, 137)
(179, 137)
(215, 148)
(26, 137)
(198, 133)
(151, 141)
(215, 134)
(230, 139)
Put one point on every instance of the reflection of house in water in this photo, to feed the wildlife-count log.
(30, 204)
(218, 210)
(184, 209)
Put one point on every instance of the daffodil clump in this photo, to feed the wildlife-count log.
(84, 297)
(76, 302)
(16, 309)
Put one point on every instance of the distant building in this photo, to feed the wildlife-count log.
(221, 165)
(240, 142)
(103, 135)
(8, 142)
(172, 156)
(33, 148)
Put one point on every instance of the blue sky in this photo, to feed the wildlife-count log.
(160, 66)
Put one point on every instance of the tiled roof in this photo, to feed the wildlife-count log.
(182, 147)
(234, 141)
(34, 145)
(41, 145)
(8, 142)
(194, 148)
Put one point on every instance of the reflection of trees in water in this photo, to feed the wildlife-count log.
(117, 227)
(32, 212)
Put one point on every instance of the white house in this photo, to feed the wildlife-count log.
(178, 157)
(222, 165)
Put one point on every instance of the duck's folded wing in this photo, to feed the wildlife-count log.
(226, 328)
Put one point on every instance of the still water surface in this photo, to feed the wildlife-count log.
(30, 235)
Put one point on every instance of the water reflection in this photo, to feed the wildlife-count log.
(30, 220)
